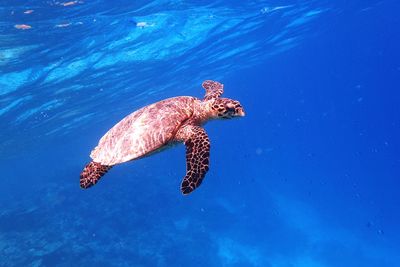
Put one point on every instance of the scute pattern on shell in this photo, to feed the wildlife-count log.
(143, 131)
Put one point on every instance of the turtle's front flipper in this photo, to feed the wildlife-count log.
(197, 156)
(213, 89)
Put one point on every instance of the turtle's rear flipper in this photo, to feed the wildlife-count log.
(197, 157)
(92, 173)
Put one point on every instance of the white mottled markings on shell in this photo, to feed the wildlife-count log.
(143, 131)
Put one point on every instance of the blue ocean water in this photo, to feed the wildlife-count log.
(309, 178)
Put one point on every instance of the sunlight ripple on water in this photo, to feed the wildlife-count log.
(105, 56)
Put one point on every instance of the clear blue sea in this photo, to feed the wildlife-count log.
(308, 178)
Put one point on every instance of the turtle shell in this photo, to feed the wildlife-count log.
(143, 131)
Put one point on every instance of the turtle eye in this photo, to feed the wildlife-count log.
(230, 109)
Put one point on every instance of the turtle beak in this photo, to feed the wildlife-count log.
(241, 112)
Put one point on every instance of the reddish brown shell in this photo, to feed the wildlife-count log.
(143, 131)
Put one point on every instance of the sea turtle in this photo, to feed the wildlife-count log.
(159, 125)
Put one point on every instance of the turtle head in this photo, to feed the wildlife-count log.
(226, 108)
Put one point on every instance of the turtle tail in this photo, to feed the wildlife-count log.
(92, 173)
